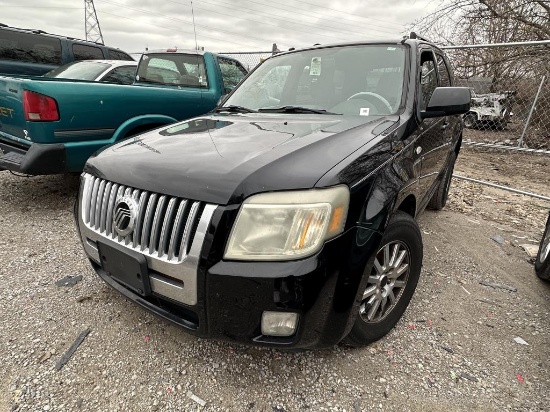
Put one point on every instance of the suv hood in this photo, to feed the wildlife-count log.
(223, 159)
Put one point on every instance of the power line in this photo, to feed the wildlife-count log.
(184, 21)
(286, 20)
(174, 29)
(351, 14)
(311, 13)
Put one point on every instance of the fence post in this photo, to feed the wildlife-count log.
(520, 143)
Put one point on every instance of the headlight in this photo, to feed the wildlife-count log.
(287, 225)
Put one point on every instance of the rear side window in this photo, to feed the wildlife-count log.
(182, 69)
(30, 48)
(121, 75)
(119, 55)
(83, 52)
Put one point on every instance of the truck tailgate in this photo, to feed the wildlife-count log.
(12, 117)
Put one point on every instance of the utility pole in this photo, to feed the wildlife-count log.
(92, 29)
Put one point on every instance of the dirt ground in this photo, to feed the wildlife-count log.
(454, 349)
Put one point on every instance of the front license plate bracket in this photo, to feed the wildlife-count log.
(126, 267)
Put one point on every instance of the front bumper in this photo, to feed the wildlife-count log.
(225, 299)
(322, 289)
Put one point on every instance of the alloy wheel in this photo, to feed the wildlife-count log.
(387, 281)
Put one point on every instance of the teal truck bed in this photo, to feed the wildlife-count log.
(50, 126)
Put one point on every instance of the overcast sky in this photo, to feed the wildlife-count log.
(221, 25)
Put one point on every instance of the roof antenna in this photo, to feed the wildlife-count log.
(194, 28)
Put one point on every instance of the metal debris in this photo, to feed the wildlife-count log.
(498, 286)
(67, 355)
(69, 281)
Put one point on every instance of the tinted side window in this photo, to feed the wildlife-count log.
(444, 75)
(119, 55)
(428, 79)
(83, 52)
(121, 75)
(232, 72)
(31, 48)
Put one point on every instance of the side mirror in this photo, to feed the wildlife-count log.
(447, 101)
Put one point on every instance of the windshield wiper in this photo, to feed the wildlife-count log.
(234, 109)
(294, 109)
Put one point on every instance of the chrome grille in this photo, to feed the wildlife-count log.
(164, 227)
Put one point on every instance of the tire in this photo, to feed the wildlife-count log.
(375, 318)
(470, 120)
(441, 194)
(542, 264)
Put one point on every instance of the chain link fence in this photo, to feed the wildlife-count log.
(510, 88)
(248, 59)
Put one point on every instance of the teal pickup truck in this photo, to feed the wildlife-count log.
(51, 126)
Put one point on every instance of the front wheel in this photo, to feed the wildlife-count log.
(542, 264)
(391, 281)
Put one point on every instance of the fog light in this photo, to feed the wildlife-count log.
(279, 323)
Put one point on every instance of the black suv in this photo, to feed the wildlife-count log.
(286, 217)
(35, 52)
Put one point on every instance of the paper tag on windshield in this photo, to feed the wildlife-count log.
(315, 68)
(364, 111)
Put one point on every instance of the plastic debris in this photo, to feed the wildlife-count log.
(531, 250)
(520, 378)
(67, 355)
(499, 239)
(466, 290)
(147, 338)
(520, 341)
(498, 286)
(411, 326)
(195, 398)
(448, 349)
(69, 281)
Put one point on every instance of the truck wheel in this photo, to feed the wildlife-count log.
(439, 198)
(391, 281)
(542, 264)
(470, 120)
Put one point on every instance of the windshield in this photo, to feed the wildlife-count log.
(186, 70)
(352, 80)
(79, 70)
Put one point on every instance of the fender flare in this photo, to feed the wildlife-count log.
(138, 121)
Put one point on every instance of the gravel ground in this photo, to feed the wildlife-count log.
(454, 349)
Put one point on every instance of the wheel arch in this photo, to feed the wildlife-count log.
(141, 124)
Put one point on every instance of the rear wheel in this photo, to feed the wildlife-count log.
(542, 264)
(391, 281)
(439, 198)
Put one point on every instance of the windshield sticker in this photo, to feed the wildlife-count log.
(315, 68)
(145, 57)
(364, 111)
(392, 48)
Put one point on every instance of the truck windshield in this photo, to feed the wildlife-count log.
(364, 80)
(83, 70)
